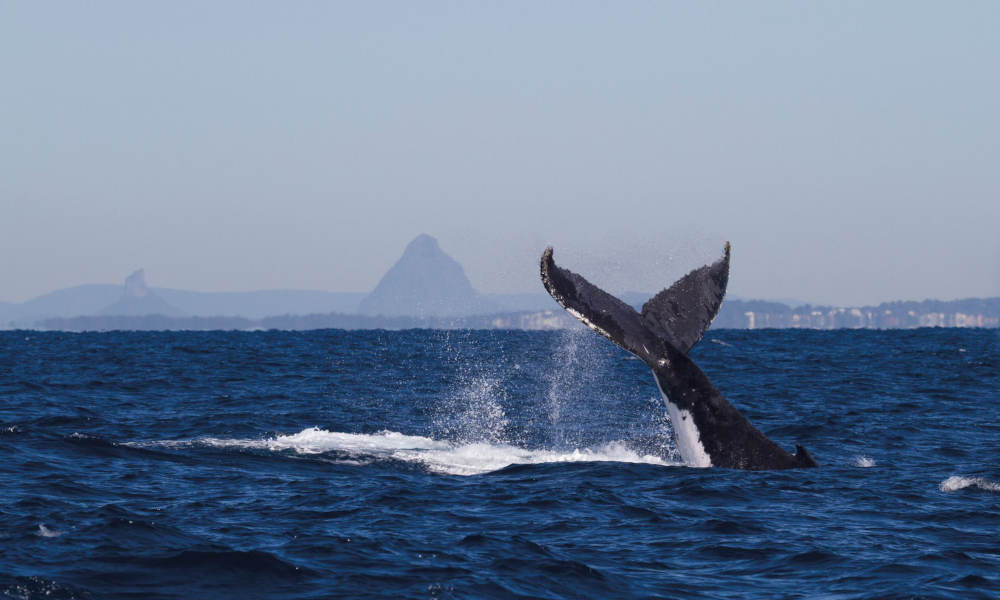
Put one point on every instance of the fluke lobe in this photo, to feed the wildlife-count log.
(709, 431)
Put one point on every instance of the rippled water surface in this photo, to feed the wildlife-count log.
(431, 464)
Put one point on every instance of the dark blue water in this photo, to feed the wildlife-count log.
(429, 464)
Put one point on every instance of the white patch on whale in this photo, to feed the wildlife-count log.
(587, 322)
(687, 434)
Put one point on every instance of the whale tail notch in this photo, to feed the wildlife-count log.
(678, 315)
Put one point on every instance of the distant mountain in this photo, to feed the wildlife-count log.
(428, 288)
(7, 312)
(425, 282)
(137, 300)
(259, 304)
(68, 302)
(104, 299)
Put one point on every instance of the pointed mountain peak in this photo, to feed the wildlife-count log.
(424, 248)
(138, 300)
(424, 282)
(135, 284)
(423, 243)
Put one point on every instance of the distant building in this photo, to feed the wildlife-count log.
(974, 312)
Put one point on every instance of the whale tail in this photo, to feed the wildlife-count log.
(678, 315)
(708, 429)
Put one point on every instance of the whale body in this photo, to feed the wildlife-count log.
(708, 430)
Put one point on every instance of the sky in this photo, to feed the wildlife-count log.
(850, 151)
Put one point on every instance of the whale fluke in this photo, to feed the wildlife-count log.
(709, 431)
(684, 311)
(599, 310)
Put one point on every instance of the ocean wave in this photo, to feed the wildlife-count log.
(44, 531)
(28, 588)
(436, 455)
(254, 563)
(958, 482)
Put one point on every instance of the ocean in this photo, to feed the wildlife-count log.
(490, 464)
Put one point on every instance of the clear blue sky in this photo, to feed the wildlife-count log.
(850, 150)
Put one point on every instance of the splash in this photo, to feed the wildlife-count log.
(44, 531)
(864, 462)
(958, 482)
(574, 369)
(436, 455)
(473, 408)
(580, 367)
(477, 410)
(660, 428)
(576, 408)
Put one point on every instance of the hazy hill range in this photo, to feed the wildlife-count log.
(259, 304)
(428, 288)
(424, 288)
(424, 282)
(95, 299)
(78, 300)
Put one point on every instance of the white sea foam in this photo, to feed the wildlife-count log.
(436, 455)
(958, 482)
(44, 531)
(864, 462)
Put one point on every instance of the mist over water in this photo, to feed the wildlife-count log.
(433, 464)
(574, 371)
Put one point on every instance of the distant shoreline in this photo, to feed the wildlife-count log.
(735, 314)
